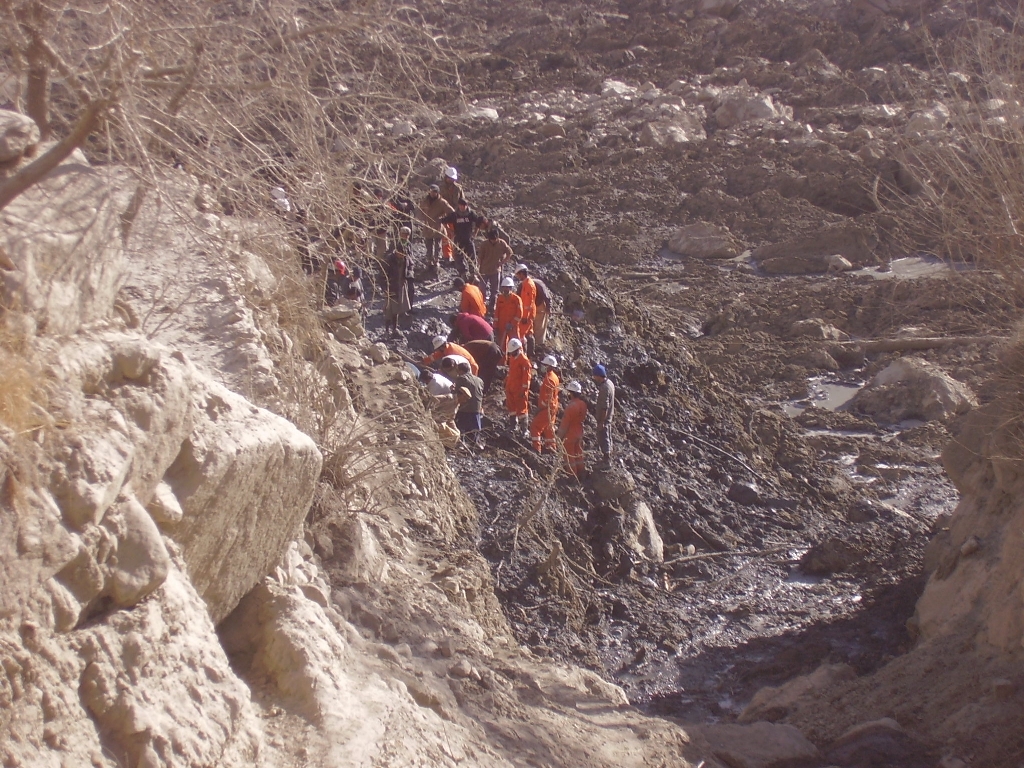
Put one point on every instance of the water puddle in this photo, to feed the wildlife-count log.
(824, 394)
(912, 267)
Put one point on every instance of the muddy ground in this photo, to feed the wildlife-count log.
(793, 534)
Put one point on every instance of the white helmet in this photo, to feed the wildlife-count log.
(520, 268)
(574, 387)
(508, 282)
(514, 345)
(405, 231)
(451, 173)
(549, 361)
(438, 341)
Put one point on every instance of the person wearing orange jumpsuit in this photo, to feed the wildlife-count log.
(528, 295)
(508, 313)
(570, 430)
(543, 425)
(472, 299)
(443, 348)
(517, 384)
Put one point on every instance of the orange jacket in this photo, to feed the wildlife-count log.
(508, 312)
(517, 384)
(547, 400)
(451, 348)
(472, 301)
(528, 295)
(571, 428)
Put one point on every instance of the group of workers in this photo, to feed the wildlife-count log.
(501, 321)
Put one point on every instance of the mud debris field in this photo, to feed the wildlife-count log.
(792, 533)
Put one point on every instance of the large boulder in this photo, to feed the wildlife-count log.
(702, 240)
(62, 237)
(774, 703)
(912, 389)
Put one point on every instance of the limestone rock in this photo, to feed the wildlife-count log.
(641, 533)
(742, 104)
(704, 241)
(816, 328)
(613, 483)
(244, 478)
(760, 745)
(680, 130)
(142, 559)
(18, 133)
(911, 389)
(62, 235)
(935, 118)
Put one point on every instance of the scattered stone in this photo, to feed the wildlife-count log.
(816, 328)
(1003, 689)
(378, 353)
(448, 647)
(833, 555)
(970, 547)
(613, 483)
(18, 134)
(461, 668)
(744, 493)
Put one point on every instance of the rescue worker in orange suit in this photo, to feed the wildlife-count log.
(472, 299)
(443, 348)
(451, 192)
(508, 313)
(517, 385)
(542, 428)
(570, 430)
(528, 295)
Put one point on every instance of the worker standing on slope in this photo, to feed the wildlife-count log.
(398, 267)
(517, 385)
(471, 299)
(542, 428)
(570, 430)
(508, 312)
(494, 253)
(465, 222)
(540, 322)
(443, 348)
(528, 295)
(432, 209)
(451, 192)
(605, 410)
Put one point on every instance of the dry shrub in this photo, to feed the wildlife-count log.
(22, 386)
(967, 183)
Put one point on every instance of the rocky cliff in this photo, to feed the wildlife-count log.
(163, 604)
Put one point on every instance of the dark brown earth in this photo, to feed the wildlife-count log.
(822, 561)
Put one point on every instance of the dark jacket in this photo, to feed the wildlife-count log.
(466, 223)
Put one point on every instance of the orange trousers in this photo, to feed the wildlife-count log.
(446, 241)
(542, 431)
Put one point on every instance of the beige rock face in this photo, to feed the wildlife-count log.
(62, 236)
(976, 563)
(244, 479)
